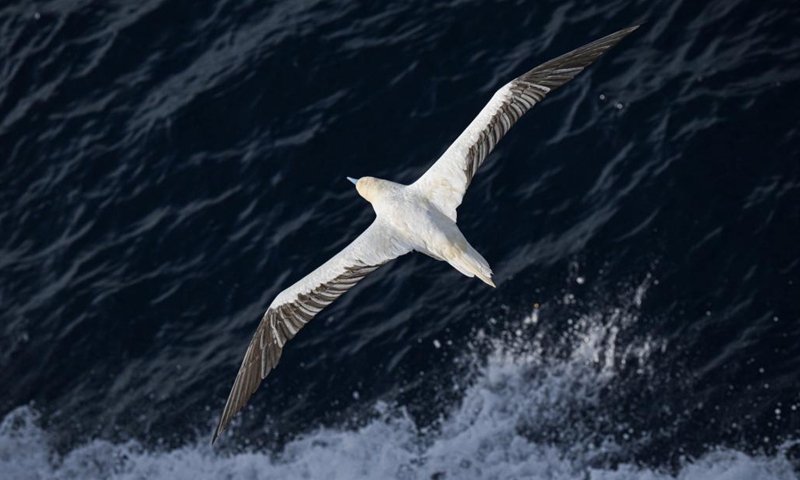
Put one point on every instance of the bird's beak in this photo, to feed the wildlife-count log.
(354, 180)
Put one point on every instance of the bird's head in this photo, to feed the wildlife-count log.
(367, 187)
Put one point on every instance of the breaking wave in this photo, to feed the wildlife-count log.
(524, 414)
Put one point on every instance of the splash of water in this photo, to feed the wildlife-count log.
(525, 415)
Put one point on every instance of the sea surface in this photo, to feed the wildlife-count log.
(168, 167)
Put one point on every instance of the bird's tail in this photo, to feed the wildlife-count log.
(472, 264)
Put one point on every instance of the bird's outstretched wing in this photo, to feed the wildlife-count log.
(446, 182)
(298, 304)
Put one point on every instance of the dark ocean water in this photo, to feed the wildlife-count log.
(168, 167)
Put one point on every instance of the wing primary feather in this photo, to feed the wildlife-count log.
(505, 108)
(300, 303)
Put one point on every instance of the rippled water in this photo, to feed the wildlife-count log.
(169, 167)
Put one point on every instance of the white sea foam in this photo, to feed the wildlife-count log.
(523, 416)
(478, 440)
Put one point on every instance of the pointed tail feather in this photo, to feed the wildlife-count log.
(472, 264)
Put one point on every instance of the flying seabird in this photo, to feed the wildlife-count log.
(418, 217)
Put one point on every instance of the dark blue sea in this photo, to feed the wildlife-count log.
(168, 167)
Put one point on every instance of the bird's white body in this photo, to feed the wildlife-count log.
(418, 217)
(414, 218)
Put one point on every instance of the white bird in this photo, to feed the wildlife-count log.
(418, 217)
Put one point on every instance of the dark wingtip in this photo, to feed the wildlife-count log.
(218, 431)
(621, 33)
(556, 72)
(626, 31)
(615, 37)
